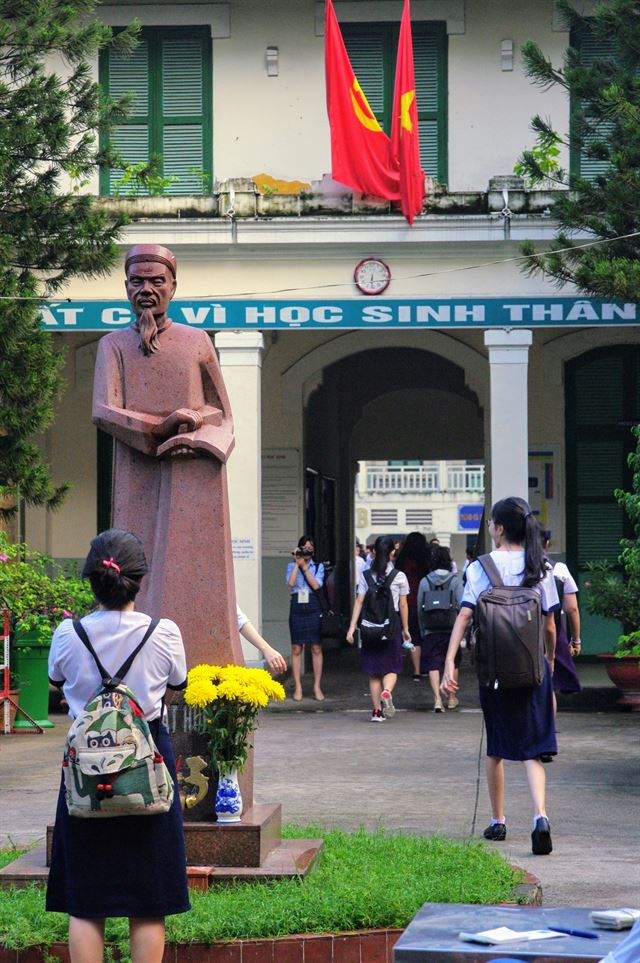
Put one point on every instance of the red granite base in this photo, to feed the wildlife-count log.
(247, 843)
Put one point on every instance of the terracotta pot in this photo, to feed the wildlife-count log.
(625, 674)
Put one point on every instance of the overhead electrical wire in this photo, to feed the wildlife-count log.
(341, 284)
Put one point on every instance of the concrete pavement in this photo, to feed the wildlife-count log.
(418, 772)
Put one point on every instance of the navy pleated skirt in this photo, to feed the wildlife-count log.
(565, 677)
(304, 620)
(520, 722)
(434, 652)
(131, 866)
(382, 661)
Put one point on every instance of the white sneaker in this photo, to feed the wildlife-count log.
(453, 702)
(387, 704)
(377, 715)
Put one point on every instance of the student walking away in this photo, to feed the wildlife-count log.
(276, 662)
(565, 677)
(439, 597)
(514, 666)
(360, 561)
(305, 577)
(414, 560)
(124, 865)
(470, 556)
(381, 607)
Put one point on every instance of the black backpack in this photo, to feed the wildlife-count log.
(508, 634)
(439, 610)
(378, 615)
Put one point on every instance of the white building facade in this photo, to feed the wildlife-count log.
(463, 358)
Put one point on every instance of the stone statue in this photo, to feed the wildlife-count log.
(159, 391)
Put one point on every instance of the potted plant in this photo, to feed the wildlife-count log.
(38, 593)
(614, 592)
(228, 699)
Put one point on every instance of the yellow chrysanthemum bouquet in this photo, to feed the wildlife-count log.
(228, 699)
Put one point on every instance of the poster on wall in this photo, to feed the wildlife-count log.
(544, 491)
(280, 501)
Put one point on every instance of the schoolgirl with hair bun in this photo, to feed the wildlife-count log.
(132, 866)
(520, 722)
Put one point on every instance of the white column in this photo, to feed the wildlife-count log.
(508, 371)
(240, 356)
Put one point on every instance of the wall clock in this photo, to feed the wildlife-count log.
(372, 276)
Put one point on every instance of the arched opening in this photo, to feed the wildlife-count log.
(385, 405)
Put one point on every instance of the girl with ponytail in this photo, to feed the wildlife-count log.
(383, 664)
(520, 722)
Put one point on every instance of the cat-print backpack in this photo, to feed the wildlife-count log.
(111, 764)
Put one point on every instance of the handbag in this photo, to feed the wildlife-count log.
(331, 623)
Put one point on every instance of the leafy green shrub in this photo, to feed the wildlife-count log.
(39, 592)
(614, 593)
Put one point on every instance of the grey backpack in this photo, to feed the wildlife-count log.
(439, 610)
(508, 634)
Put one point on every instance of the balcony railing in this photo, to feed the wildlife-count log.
(425, 479)
(404, 478)
(467, 478)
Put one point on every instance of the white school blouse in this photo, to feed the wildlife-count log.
(114, 635)
(511, 568)
(560, 571)
(399, 586)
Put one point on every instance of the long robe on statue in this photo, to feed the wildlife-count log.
(172, 493)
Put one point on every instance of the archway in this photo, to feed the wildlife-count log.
(381, 403)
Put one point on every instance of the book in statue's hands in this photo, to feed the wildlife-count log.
(617, 919)
(503, 934)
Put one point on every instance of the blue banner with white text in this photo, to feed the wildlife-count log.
(356, 313)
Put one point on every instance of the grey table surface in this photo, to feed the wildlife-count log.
(432, 935)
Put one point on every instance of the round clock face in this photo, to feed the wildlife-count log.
(372, 276)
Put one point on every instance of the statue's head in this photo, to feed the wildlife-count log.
(150, 283)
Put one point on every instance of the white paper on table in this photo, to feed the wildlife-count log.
(620, 919)
(503, 934)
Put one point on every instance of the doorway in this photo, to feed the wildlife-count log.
(387, 405)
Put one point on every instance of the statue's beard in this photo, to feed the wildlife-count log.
(149, 327)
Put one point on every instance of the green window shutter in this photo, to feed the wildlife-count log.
(129, 75)
(582, 165)
(600, 391)
(429, 64)
(372, 50)
(183, 112)
(169, 75)
(602, 395)
(369, 51)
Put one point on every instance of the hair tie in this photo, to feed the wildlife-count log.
(528, 515)
(109, 563)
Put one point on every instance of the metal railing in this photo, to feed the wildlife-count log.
(404, 478)
(425, 478)
(466, 478)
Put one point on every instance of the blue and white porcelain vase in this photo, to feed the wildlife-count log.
(228, 806)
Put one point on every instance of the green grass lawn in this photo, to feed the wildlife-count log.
(362, 880)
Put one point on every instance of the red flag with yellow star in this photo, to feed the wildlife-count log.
(405, 143)
(360, 149)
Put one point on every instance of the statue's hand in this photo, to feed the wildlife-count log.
(184, 419)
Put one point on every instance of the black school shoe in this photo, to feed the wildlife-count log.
(541, 837)
(497, 832)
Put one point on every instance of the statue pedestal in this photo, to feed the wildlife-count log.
(247, 843)
(255, 842)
